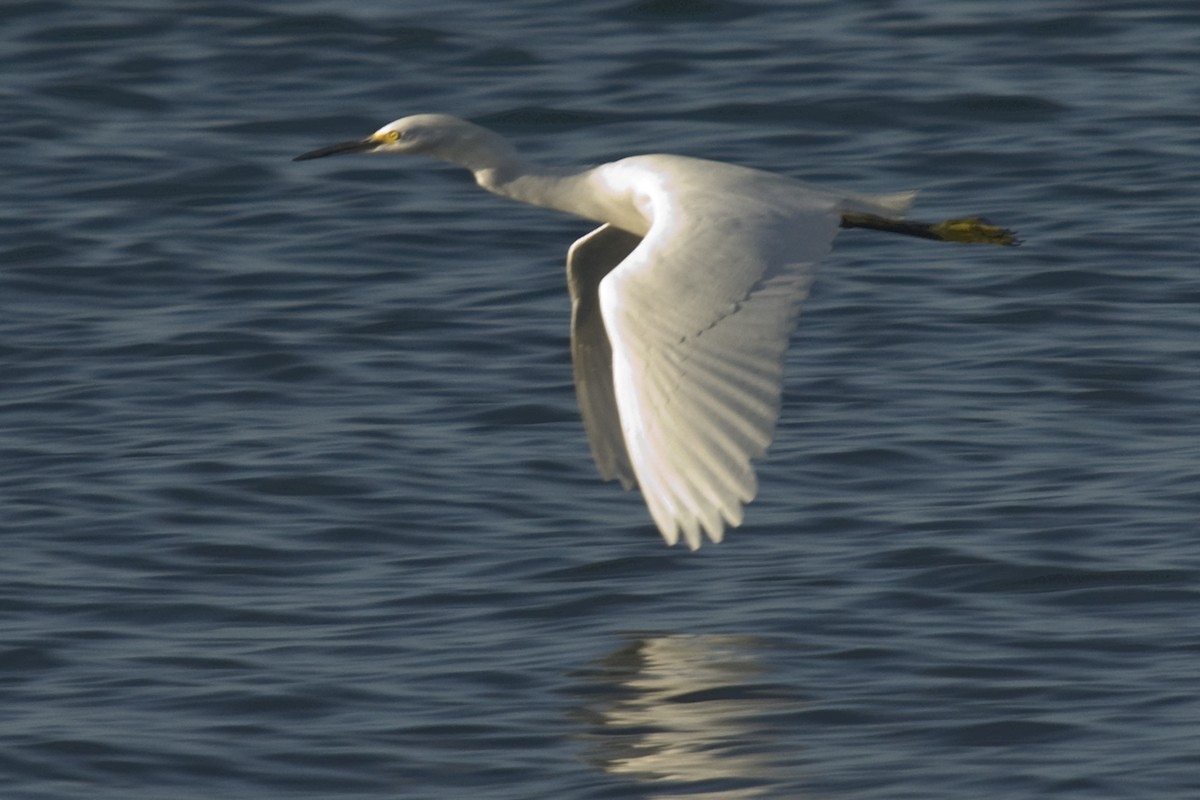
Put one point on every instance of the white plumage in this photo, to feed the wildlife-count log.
(683, 301)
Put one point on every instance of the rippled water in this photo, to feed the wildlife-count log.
(295, 500)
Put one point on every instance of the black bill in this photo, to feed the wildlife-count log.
(357, 146)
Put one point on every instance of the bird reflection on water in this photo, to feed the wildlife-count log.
(687, 715)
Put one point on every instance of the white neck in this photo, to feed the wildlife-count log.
(499, 168)
(561, 190)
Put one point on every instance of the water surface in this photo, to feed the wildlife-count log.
(295, 498)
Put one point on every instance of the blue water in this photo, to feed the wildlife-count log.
(295, 501)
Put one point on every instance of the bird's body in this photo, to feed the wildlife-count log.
(683, 301)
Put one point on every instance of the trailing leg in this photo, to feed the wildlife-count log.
(969, 230)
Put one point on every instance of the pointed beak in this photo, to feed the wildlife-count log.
(357, 146)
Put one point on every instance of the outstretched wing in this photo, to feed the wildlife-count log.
(588, 261)
(698, 316)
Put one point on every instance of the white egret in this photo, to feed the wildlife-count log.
(683, 301)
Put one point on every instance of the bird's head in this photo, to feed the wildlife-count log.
(438, 135)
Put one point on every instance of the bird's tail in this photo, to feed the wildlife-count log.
(888, 205)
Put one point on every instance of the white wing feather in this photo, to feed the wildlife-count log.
(699, 316)
(590, 259)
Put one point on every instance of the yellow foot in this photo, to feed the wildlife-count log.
(973, 230)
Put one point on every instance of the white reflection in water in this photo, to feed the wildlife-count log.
(690, 714)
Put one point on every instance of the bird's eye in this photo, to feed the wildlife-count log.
(393, 136)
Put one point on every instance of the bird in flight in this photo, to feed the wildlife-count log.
(682, 302)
